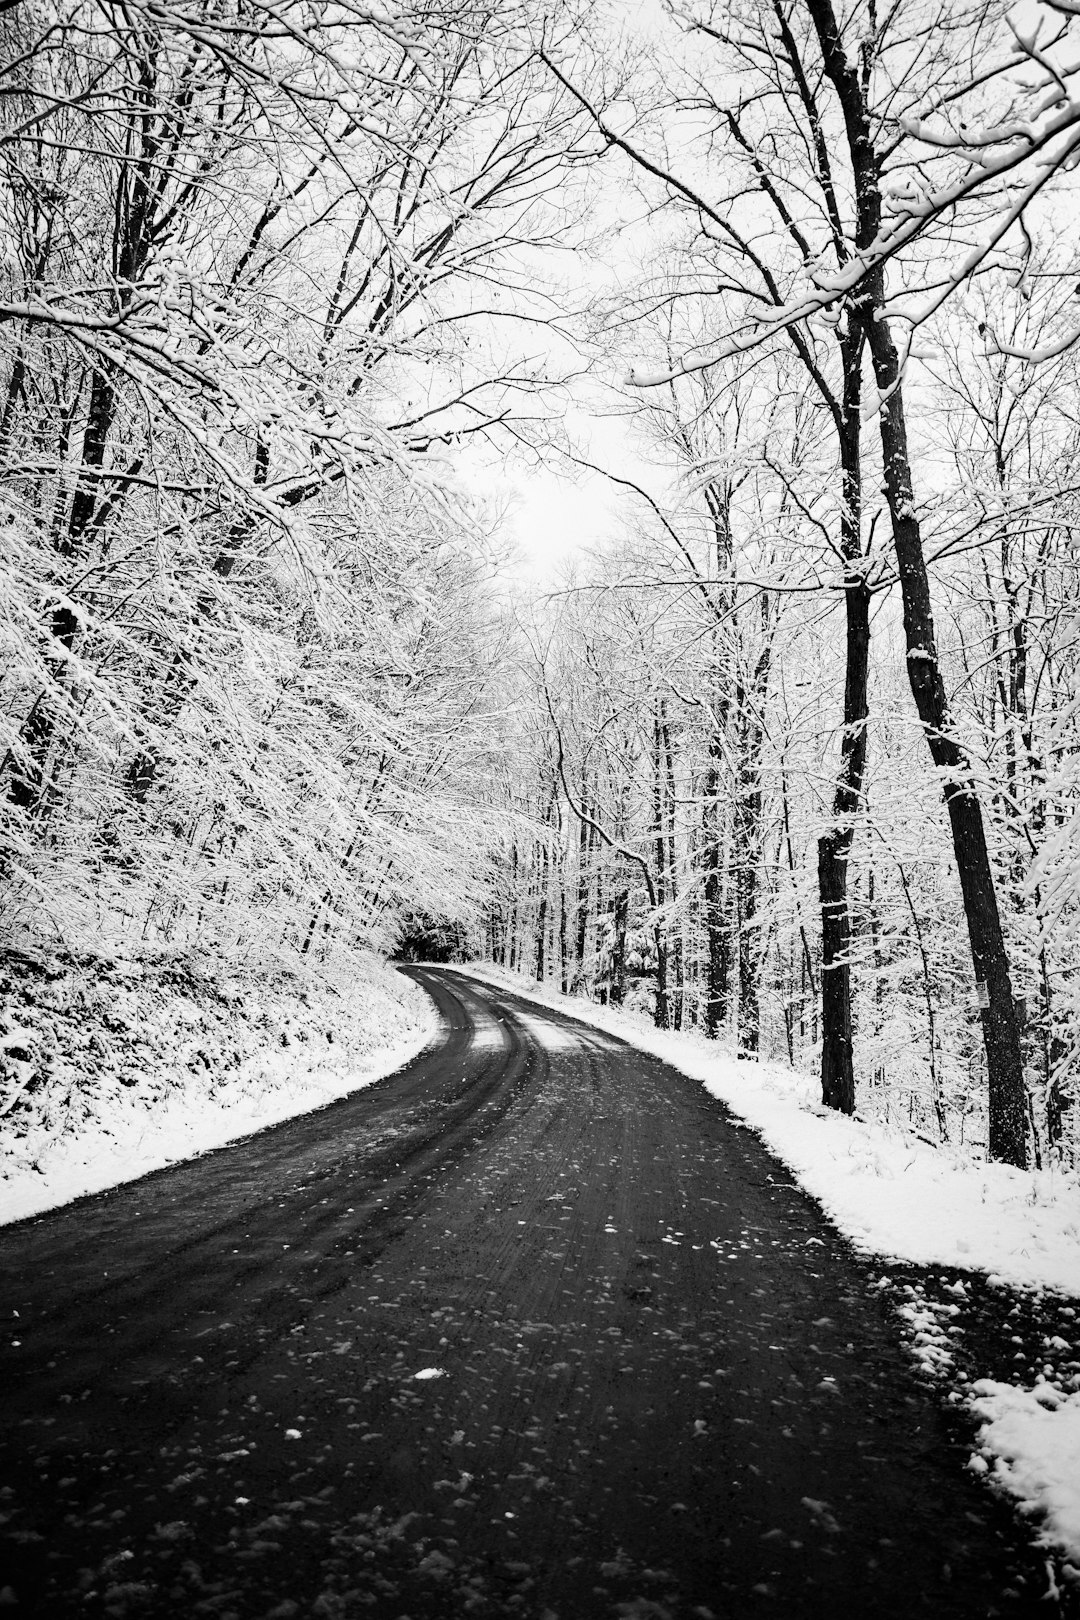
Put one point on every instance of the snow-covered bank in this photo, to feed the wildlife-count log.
(897, 1197)
(1029, 1442)
(113, 1068)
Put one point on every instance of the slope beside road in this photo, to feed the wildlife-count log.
(530, 1328)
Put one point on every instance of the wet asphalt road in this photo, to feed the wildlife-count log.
(659, 1384)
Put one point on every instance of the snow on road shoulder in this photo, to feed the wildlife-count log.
(1029, 1442)
(132, 1073)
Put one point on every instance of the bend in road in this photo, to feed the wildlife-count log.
(531, 1328)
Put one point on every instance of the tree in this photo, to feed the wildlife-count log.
(1007, 1108)
(735, 252)
(250, 317)
(803, 50)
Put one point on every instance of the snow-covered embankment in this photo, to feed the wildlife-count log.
(112, 1067)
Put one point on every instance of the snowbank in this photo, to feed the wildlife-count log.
(1030, 1444)
(112, 1068)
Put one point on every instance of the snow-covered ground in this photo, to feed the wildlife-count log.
(897, 1197)
(109, 1070)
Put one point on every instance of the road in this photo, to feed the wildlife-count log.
(532, 1328)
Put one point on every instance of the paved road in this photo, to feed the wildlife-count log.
(658, 1384)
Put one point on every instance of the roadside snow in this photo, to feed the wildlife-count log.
(896, 1196)
(133, 1072)
(1032, 1440)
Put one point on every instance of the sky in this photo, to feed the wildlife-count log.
(551, 510)
(556, 512)
(560, 512)
(553, 520)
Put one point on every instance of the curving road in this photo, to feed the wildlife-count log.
(531, 1328)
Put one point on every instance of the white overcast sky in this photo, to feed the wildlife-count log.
(554, 512)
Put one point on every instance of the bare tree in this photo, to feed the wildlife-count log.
(844, 107)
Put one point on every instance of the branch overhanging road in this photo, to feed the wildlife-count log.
(532, 1328)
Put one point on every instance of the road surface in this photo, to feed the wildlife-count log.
(532, 1328)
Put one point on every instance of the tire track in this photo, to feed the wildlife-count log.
(567, 1344)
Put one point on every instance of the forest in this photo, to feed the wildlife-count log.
(294, 290)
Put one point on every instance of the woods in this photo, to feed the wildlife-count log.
(247, 627)
(790, 757)
(807, 210)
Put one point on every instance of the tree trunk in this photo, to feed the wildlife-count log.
(28, 786)
(746, 891)
(834, 846)
(676, 1003)
(618, 946)
(1001, 1036)
(542, 910)
(140, 184)
(512, 924)
(586, 835)
(662, 1012)
(717, 910)
(717, 939)
(747, 842)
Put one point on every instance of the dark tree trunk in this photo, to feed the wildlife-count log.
(834, 846)
(27, 787)
(746, 890)
(542, 911)
(837, 1066)
(662, 1013)
(140, 186)
(15, 391)
(1001, 1036)
(749, 1004)
(564, 943)
(717, 937)
(676, 999)
(618, 946)
(512, 922)
(586, 835)
(544, 884)
(747, 843)
(717, 910)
